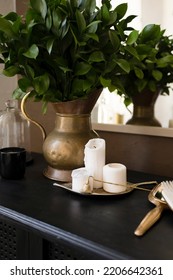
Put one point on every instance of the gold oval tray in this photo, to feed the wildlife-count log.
(98, 192)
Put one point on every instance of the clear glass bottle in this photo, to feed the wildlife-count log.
(15, 129)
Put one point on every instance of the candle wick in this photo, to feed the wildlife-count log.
(87, 187)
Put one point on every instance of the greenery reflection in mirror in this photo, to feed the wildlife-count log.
(150, 60)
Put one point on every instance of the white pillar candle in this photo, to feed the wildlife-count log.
(79, 179)
(95, 160)
(114, 177)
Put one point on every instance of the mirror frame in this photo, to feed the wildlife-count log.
(135, 129)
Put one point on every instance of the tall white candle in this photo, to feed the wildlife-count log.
(114, 177)
(94, 160)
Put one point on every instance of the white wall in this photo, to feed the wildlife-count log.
(168, 16)
(7, 85)
(152, 11)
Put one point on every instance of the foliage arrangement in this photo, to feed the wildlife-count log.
(65, 49)
(149, 54)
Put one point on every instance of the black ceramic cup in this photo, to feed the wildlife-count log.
(12, 162)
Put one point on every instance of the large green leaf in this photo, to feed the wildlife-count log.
(143, 49)
(73, 4)
(162, 62)
(80, 21)
(105, 82)
(77, 86)
(90, 6)
(117, 84)
(18, 93)
(29, 71)
(7, 27)
(24, 84)
(87, 85)
(11, 16)
(17, 25)
(141, 84)
(92, 27)
(149, 33)
(111, 64)
(64, 28)
(105, 13)
(92, 36)
(44, 107)
(41, 83)
(152, 85)
(11, 71)
(107, 3)
(112, 17)
(49, 20)
(139, 73)
(82, 68)
(131, 50)
(114, 39)
(96, 57)
(57, 19)
(157, 75)
(123, 64)
(40, 6)
(133, 36)
(74, 36)
(49, 44)
(32, 52)
(121, 10)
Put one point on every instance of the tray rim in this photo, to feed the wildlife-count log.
(96, 192)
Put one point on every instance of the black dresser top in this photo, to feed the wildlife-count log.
(103, 224)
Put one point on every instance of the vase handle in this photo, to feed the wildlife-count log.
(23, 102)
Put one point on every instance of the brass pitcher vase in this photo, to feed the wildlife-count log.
(63, 148)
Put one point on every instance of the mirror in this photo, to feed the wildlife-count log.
(147, 11)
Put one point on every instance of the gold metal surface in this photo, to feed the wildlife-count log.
(57, 174)
(143, 115)
(153, 216)
(23, 109)
(95, 192)
(63, 148)
(101, 192)
(133, 186)
(143, 108)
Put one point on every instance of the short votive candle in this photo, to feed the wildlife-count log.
(114, 177)
(79, 179)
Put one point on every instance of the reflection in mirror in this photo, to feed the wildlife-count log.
(110, 107)
(7, 84)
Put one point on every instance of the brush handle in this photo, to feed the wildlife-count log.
(149, 220)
